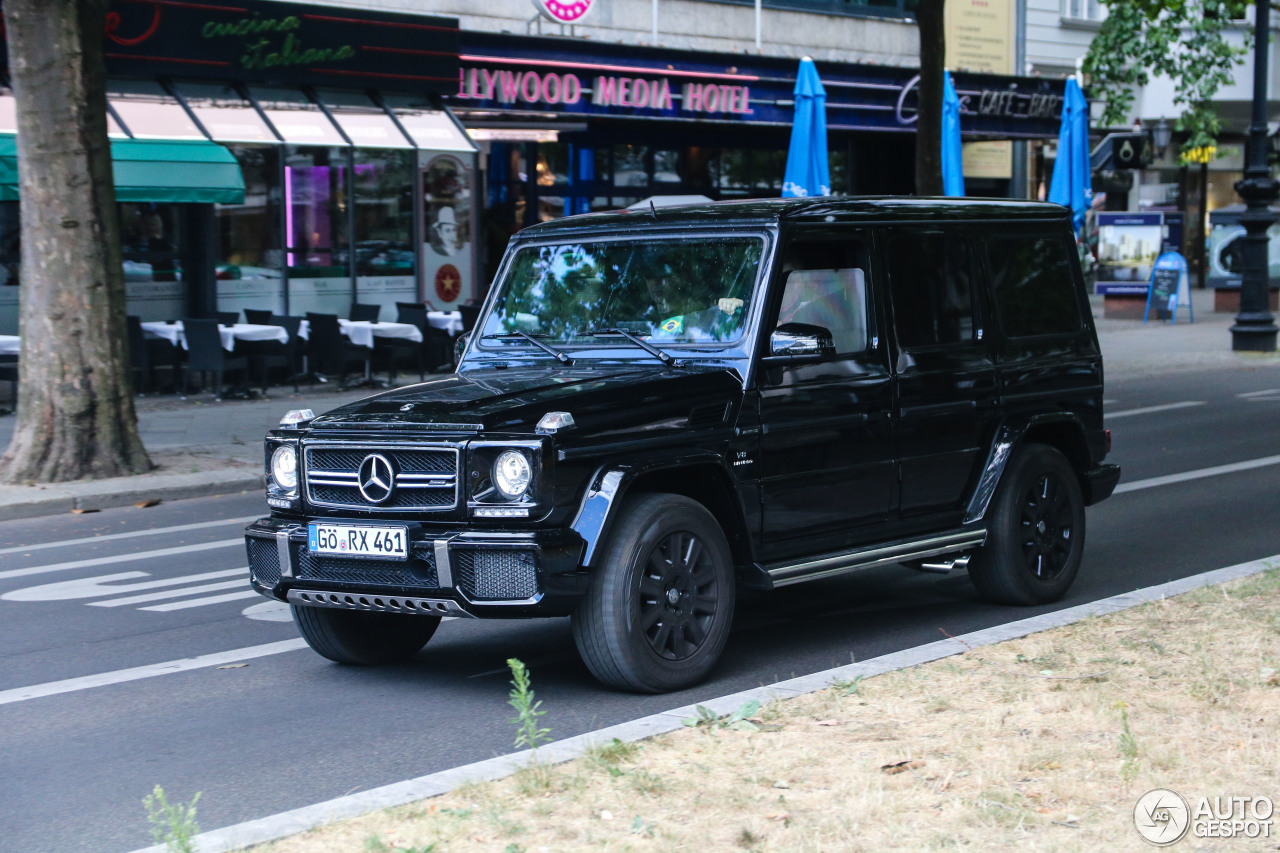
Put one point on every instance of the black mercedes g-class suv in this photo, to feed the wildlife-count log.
(658, 408)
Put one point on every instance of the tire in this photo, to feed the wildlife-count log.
(1035, 535)
(362, 638)
(651, 623)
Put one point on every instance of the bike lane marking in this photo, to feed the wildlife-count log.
(132, 534)
(181, 550)
(120, 676)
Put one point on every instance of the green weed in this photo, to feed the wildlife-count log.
(172, 824)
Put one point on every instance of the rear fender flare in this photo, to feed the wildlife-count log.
(1007, 439)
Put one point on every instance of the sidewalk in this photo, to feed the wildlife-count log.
(204, 447)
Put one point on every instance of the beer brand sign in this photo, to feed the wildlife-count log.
(602, 92)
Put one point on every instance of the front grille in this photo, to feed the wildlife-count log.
(495, 575)
(426, 477)
(264, 560)
(349, 496)
(418, 571)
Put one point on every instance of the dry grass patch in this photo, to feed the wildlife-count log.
(1039, 744)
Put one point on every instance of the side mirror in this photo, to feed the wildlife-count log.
(460, 346)
(801, 341)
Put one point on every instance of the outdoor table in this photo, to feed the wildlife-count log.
(10, 345)
(174, 334)
(362, 332)
(450, 321)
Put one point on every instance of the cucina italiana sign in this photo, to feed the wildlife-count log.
(553, 88)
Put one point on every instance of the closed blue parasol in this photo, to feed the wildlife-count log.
(1072, 182)
(952, 156)
(808, 173)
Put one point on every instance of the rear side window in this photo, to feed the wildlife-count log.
(1032, 284)
(929, 280)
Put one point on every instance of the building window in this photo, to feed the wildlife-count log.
(249, 259)
(1084, 10)
(384, 254)
(317, 191)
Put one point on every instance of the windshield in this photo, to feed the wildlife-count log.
(671, 290)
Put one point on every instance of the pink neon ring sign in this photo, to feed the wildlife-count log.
(565, 11)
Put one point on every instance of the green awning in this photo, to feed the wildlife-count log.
(159, 170)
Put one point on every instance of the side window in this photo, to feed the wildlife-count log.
(826, 286)
(930, 281)
(1033, 286)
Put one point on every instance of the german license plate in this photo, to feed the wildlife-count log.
(353, 540)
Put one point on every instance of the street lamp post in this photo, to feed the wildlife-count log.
(1255, 328)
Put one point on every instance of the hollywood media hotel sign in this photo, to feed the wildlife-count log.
(553, 88)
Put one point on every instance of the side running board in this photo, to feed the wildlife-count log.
(787, 573)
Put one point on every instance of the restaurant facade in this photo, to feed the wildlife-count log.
(301, 158)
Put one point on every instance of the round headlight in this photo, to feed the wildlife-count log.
(284, 467)
(511, 474)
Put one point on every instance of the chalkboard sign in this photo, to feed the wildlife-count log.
(1164, 284)
(1168, 284)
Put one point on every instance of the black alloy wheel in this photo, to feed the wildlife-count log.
(658, 611)
(1048, 527)
(678, 596)
(1035, 531)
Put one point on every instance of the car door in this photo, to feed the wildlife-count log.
(944, 371)
(826, 463)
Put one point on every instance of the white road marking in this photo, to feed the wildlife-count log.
(1148, 410)
(1270, 392)
(171, 593)
(97, 587)
(120, 676)
(201, 602)
(1198, 474)
(109, 537)
(180, 551)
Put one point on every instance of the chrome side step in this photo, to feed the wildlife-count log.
(378, 603)
(784, 574)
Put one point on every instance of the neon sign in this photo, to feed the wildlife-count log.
(565, 11)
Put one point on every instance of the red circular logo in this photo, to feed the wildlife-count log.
(448, 283)
(564, 11)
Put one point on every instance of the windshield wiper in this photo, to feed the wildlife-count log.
(665, 358)
(561, 357)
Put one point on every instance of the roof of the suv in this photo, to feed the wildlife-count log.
(841, 209)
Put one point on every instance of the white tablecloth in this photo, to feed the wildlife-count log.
(10, 345)
(362, 332)
(450, 321)
(174, 334)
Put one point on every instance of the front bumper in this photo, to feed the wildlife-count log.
(457, 572)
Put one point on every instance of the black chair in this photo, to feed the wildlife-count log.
(470, 313)
(226, 318)
(396, 348)
(146, 354)
(364, 312)
(258, 316)
(205, 353)
(269, 354)
(9, 373)
(400, 305)
(329, 351)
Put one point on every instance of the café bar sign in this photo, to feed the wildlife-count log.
(534, 87)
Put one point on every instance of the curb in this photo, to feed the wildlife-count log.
(29, 502)
(302, 819)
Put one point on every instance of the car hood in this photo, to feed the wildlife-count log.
(602, 400)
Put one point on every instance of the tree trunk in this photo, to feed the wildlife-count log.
(75, 411)
(929, 18)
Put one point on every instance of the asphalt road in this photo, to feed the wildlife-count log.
(290, 729)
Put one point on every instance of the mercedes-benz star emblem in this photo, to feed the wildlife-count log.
(376, 478)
